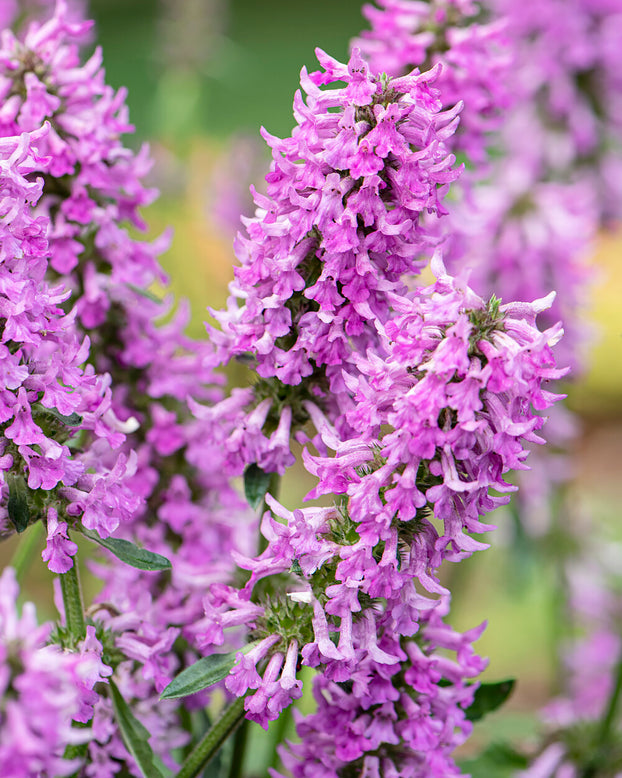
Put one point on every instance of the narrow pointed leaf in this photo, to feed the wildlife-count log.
(499, 760)
(136, 737)
(130, 553)
(256, 484)
(145, 293)
(17, 506)
(206, 672)
(73, 420)
(489, 697)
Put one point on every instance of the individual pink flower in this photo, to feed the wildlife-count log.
(59, 548)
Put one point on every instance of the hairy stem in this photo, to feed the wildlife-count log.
(72, 600)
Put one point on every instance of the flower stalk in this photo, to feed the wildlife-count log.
(213, 739)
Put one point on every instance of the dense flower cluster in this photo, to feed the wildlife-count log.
(341, 222)
(475, 56)
(460, 389)
(92, 187)
(387, 722)
(47, 393)
(339, 227)
(568, 90)
(88, 194)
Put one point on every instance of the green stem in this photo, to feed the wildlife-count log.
(72, 600)
(239, 749)
(23, 553)
(278, 736)
(602, 742)
(612, 708)
(213, 740)
(273, 489)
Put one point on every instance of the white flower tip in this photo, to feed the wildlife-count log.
(300, 596)
(129, 425)
(126, 427)
(437, 266)
(542, 303)
(557, 333)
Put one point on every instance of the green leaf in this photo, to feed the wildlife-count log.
(130, 553)
(17, 507)
(489, 697)
(135, 737)
(206, 672)
(256, 484)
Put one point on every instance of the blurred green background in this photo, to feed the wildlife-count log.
(203, 76)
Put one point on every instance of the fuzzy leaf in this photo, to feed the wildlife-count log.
(488, 697)
(18, 502)
(256, 484)
(203, 673)
(130, 553)
(135, 737)
(73, 420)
